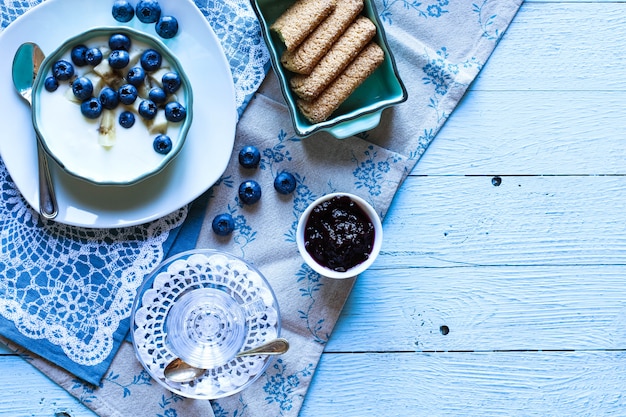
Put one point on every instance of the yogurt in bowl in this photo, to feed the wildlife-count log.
(100, 145)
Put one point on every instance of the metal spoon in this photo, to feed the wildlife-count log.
(180, 371)
(26, 62)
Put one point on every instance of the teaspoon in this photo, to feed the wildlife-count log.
(180, 371)
(26, 63)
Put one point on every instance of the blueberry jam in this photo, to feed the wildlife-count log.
(339, 234)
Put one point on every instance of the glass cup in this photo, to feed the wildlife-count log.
(206, 327)
(204, 307)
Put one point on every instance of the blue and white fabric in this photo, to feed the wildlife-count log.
(440, 47)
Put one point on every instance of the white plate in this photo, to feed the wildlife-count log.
(199, 165)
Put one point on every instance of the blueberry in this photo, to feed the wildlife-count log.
(175, 112)
(127, 94)
(51, 84)
(62, 70)
(91, 108)
(148, 11)
(82, 88)
(108, 98)
(93, 56)
(249, 156)
(167, 27)
(223, 224)
(285, 183)
(78, 55)
(119, 41)
(123, 11)
(119, 58)
(136, 76)
(162, 144)
(147, 109)
(171, 82)
(151, 60)
(127, 119)
(249, 192)
(157, 95)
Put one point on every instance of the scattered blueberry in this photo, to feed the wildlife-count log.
(62, 70)
(175, 112)
(162, 144)
(108, 98)
(93, 56)
(157, 95)
(91, 108)
(147, 109)
(119, 58)
(151, 60)
(249, 156)
(148, 11)
(119, 41)
(167, 27)
(285, 183)
(223, 224)
(127, 94)
(171, 82)
(127, 119)
(78, 55)
(123, 11)
(51, 84)
(82, 88)
(249, 192)
(136, 76)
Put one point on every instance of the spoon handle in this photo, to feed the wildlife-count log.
(47, 198)
(275, 347)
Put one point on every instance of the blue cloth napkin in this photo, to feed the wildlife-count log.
(66, 292)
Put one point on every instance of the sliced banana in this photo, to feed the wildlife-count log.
(158, 124)
(105, 71)
(69, 94)
(106, 131)
(157, 76)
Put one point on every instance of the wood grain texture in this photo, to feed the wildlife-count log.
(466, 221)
(531, 133)
(542, 384)
(26, 392)
(560, 46)
(484, 309)
(487, 300)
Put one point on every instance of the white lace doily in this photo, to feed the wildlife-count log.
(72, 286)
(199, 271)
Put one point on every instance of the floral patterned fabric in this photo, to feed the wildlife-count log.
(440, 47)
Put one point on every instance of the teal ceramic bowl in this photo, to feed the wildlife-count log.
(79, 144)
(363, 109)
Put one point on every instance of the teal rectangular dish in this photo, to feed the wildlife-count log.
(363, 109)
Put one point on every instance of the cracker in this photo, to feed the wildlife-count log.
(312, 49)
(347, 47)
(300, 19)
(363, 66)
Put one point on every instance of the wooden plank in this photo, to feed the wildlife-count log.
(469, 384)
(484, 309)
(560, 46)
(531, 132)
(27, 392)
(456, 221)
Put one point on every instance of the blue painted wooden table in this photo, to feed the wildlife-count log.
(501, 289)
